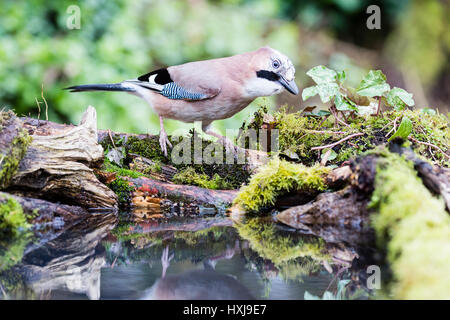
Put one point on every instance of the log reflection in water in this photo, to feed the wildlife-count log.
(72, 261)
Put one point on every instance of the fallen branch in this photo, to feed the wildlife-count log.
(182, 193)
(338, 142)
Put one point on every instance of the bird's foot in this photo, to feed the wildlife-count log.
(164, 141)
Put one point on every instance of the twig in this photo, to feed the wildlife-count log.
(39, 107)
(393, 128)
(110, 137)
(45, 101)
(326, 131)
(338, 142)
(430, 145)
(336, 116)
(114, 262)
(379, 106)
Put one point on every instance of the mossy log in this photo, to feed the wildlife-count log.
(13, 145)
(48, 219)
(57, 164)
(344, 215)
(435, 178)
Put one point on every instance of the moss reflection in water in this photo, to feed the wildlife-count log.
(277, 247)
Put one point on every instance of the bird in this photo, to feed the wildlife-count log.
(208, 90)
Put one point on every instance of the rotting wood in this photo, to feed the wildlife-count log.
(56, 165)
(183, 193)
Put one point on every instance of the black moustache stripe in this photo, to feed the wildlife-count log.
(269, 75)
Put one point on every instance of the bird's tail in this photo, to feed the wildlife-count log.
(101, 87)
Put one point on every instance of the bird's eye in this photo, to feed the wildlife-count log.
(276, 63)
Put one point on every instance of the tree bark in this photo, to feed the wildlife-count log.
(57, 164)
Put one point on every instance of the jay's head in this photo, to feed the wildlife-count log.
(272, 72)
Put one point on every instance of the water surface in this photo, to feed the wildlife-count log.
(110, 258)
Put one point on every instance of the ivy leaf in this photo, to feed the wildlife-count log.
(327, 90)
(403, 130)
(343, 104)
(333, 155)
(399, 98)
(359, 100)
(322, 74)
(373, 84)
(341, 76)
(309, 92)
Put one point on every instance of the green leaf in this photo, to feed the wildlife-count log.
(359, 100)
(428, 111)
(343, 104)
(341, 76)
(398, 98)
(333, 155)
(309, 92)
(403, 130)
(327, 91)
(322, 74)
(373, 85)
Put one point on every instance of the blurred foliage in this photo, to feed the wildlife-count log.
(423, 45)
(122, 39)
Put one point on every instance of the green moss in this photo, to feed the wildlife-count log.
(12, 217)
(213, 176)
(9, 163)
(278, 177)
(191, 177)
(122, 189)
(415, 230)
(148, 148)
(296, 270)
(213, 234)
(279, 247)
(14, 234)
(110, 167)
(11, 251)
(299, 133)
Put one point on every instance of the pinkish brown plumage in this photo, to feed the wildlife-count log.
(209, 90)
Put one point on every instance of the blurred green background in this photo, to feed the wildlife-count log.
(122, 39)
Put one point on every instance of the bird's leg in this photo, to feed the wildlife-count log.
(165, 260)
(227, 143)
(163, 138)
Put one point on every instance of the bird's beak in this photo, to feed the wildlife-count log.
(289, 85)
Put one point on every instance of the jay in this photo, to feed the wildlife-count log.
(208, 90)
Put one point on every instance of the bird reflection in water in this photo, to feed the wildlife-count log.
(204, 284)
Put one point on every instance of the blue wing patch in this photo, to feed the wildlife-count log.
(174, 91)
